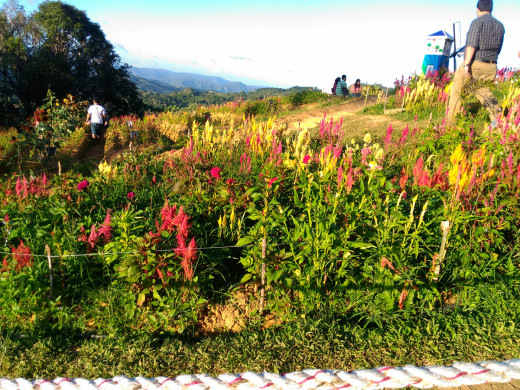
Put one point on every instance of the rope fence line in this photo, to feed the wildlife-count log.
(456, 375)
(133, 252)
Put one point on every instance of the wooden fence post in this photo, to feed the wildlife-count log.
(48, 250)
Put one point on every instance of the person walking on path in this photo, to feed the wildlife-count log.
(483, 45)
(97, 118)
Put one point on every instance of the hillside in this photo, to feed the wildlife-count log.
(153, 86)
(188, 80)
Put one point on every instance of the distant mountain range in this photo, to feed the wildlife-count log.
(165, 81)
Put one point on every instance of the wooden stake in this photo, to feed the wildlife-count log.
(262, 282)
(48, 250)
(386, 98)
(366, 97)
(59, 168)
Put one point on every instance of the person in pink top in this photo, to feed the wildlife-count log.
(356, 88)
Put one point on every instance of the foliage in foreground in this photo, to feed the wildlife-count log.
(153, 246)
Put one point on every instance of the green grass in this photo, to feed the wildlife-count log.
(482, 325)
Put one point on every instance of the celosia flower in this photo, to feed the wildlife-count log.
(306, 159)
(402, 298)
(92, 238)
(215, 172)
(130, 195)
(230, 181)
(22, 256)
(83, 185)
(271, 182)
(105, 230)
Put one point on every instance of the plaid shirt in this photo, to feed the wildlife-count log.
(486, 35)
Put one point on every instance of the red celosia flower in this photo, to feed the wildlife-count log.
(6, 218)
(387, 263)
(230, 181)
(402, 298)
(417, 170)
(130, 195)
(306, 159)
(82, 237)
(271, 182)
(403, 179)
(22, 256)
(215, 172)
(5, 265)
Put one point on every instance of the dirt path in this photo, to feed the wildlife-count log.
(354, 124)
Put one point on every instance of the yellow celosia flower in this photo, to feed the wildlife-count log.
(368, 138)
(104, 168)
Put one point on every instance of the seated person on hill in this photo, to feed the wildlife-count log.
(342, 88)
(335, 85)
(356, 88)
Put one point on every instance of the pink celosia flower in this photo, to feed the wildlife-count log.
(388, 138)
(306, 159)
(230, 181)
(105, 230)
(6, 218)
(83, 185)
(188, 257)
(167, 217)
(92, 238)
(350, 181)
(271, 182)
(130, 195)
(215, 172)
(82, 237)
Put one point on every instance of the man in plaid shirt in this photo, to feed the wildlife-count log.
(483, 44)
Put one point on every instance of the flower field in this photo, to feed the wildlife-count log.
(380, 228)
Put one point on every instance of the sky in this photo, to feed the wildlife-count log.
(286, 43)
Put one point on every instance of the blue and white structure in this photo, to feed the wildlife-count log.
(438, 51)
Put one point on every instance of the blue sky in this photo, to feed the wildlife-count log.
(288, 42)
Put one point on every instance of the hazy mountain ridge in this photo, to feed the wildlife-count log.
(166, 78)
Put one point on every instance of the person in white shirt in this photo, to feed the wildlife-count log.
(97, 118)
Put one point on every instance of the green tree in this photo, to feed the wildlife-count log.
(59, 48)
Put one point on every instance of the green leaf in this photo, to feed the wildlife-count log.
(246, 278)
(140, 299)
(244, 241)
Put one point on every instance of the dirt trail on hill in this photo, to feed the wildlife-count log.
(354, 125)
(95, 153)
